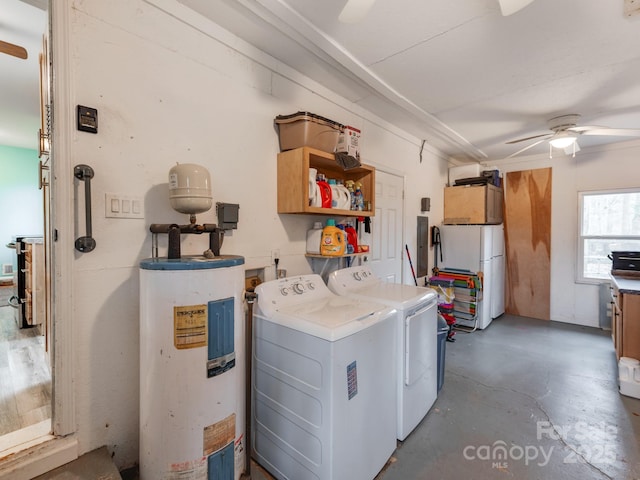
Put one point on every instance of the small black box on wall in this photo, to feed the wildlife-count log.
(87, 119)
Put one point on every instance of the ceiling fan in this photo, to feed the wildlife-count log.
(565, 132)
(14, 50)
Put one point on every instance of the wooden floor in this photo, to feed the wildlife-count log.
(25, 379)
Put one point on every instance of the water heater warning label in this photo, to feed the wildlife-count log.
(219, 434)
(192, 469)
(190, 326)
(352, 380)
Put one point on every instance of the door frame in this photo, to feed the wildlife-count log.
(51, 451)
(62, 212)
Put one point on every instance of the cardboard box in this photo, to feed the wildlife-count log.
(473, 205)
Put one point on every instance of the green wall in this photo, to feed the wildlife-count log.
(20, 198)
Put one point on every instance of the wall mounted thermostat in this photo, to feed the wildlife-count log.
(87, 119)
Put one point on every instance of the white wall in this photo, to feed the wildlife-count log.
(601, 168)
(167, 93)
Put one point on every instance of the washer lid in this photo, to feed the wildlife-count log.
(333, 317)
(362, 283)
(401, 297)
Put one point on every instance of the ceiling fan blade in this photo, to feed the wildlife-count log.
(355, 10)
(509, 7)
(11, 49)
(530, 138)
(582, 128)
(526, 148)
(613, 132)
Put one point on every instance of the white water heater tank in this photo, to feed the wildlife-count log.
(190, 188)
(192, 368)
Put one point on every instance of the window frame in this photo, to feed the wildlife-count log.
(580, 277)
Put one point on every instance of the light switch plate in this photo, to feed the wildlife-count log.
(117, 205)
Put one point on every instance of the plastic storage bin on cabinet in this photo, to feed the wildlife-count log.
(443, 329)
(304, 129)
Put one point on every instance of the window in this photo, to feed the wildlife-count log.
(609, 221)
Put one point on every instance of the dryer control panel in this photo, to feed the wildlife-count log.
(354, 278)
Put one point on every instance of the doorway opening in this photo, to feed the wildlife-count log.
(25, 328)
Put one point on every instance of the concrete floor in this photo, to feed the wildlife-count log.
(523, 399)
(543, 392)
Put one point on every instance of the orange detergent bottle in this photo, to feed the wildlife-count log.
(333, 241)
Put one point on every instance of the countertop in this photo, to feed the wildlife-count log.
(629, 285)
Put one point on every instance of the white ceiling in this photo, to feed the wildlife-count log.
(21, 24)
(455, 73)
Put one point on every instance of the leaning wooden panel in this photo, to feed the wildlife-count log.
(528, 242)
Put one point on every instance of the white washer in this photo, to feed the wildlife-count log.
(416, 325)
(323, 382)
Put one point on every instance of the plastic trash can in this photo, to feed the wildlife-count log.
(443, 330)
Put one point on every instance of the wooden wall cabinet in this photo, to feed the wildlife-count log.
(293, 181)
(473, 205)
(625, 324)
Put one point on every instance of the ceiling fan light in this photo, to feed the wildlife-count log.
(562, 141)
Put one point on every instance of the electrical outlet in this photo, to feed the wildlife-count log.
(275, 254)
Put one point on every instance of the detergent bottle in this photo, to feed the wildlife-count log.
(334, 192)
(313, 186)
(352, 239)
(340, 196)
(325, 191)
(333, 240)
(314, 237)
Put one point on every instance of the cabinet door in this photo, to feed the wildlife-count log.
(630, 321)
(616, 330)
(616, 320)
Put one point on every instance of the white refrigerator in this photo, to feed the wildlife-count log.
(479, 248)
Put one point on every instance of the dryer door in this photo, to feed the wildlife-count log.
(420, 334)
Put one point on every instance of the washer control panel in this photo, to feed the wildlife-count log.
(292, 290)
(298, 287)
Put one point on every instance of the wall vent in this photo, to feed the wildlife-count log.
(7, 269)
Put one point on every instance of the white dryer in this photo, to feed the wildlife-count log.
(416, 326)
(323, 398)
